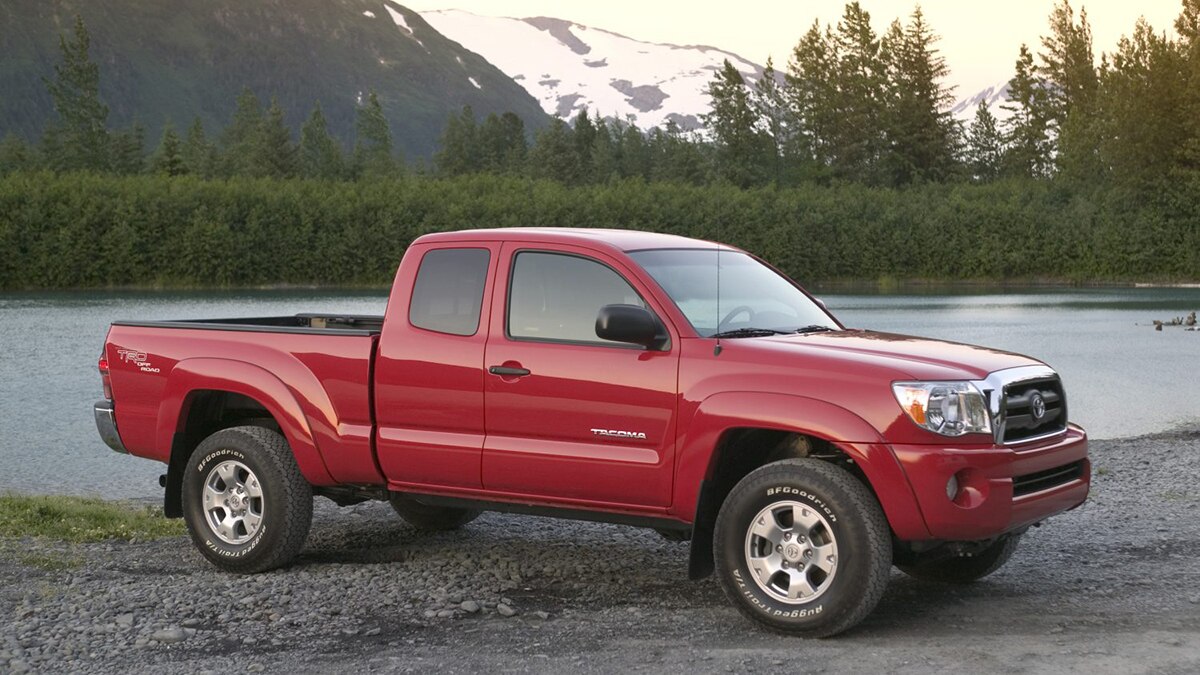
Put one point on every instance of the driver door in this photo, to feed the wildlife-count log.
(569, 416)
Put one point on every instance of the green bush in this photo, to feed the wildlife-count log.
(97, 231)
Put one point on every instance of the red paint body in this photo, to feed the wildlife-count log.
(414, 410)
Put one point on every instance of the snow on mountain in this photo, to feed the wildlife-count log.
(992, 97)
(567, 67)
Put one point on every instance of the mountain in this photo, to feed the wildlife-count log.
(568, 66)
(992, 97)
(173, 60)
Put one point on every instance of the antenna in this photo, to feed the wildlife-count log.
(717, 348)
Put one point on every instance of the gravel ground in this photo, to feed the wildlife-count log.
(1111, 587)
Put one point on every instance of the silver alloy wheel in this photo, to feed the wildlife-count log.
(233, 502)
(791, 552)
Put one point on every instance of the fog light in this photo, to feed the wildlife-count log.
(952, 487)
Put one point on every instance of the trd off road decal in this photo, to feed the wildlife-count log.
(139, 359)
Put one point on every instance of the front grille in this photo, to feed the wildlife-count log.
(1021, 409)
(1044, 480)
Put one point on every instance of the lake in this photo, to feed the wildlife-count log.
(1123, 378)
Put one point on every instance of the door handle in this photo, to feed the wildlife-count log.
(508, 371)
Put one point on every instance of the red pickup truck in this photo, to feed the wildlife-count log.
(608, 375)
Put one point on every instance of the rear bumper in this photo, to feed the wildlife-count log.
(106, 424)
(1000, 489)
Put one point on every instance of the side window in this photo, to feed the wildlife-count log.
(557, 297)
(448, 293)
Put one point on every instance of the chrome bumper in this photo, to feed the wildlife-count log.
(106, 424)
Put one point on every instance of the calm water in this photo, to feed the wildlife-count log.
(1124, 379)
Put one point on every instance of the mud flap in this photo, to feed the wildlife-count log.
(700, 559)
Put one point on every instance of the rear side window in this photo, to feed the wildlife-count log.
(557, 297)
(448, 293)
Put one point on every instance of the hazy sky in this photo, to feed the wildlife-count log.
(980, 38)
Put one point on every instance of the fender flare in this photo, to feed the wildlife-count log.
(696, 498)
(247, 379)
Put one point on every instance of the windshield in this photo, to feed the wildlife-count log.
(754, 299)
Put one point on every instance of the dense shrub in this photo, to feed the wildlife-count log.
(90, 231)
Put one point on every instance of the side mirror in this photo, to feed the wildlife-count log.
(630, 324)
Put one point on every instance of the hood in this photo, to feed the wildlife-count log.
(909, 357)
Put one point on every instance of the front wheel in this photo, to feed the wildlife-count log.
(802, 547)
(247, 506)
(963, 569)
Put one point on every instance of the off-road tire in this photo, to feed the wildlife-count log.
(849, 516)
(286, 501)
(963, 569)
(431, 518)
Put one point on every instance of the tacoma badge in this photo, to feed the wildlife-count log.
(619, 434)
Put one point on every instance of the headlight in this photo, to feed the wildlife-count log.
(946, 408)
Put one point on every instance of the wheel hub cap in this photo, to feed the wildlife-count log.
(791, 552)
(233, 502)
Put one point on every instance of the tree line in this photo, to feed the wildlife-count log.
(83, 230)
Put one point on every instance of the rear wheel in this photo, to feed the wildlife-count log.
(426, 517)
(802, 547)
(247, 506)
(963, 569)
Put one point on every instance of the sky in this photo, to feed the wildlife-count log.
(980, 38)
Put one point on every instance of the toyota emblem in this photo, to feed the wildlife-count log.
(1037, 406)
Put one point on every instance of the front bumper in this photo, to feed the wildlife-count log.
(1001, 488)
(106, 424)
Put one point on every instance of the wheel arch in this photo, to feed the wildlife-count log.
(736, 432)
(203, 396)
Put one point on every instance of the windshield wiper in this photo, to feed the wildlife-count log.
(750, 332)
(814, 328)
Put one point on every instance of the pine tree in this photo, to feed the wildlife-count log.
(128, 150)
(553, 154)
(373, 155)
(80, 140)
(858, 140)
(1026, 132)
(675, 157)
(1188, 27)
(199, 155)
(606, 163)
(1068, 72)
(168, 159)
(460, 152)
(770, 105)
(320, 156)
(985, 145)
(584, 137)
(633, 152)
(1142, 120)
(922, 135)
(740, 145)
(275, 156)
(241, 139)
(810, 89)
(501, 144)
(516, 145)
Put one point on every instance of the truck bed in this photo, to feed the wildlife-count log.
(310, 324)
(311, 373)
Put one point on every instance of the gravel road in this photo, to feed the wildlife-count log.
(1113, 586)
